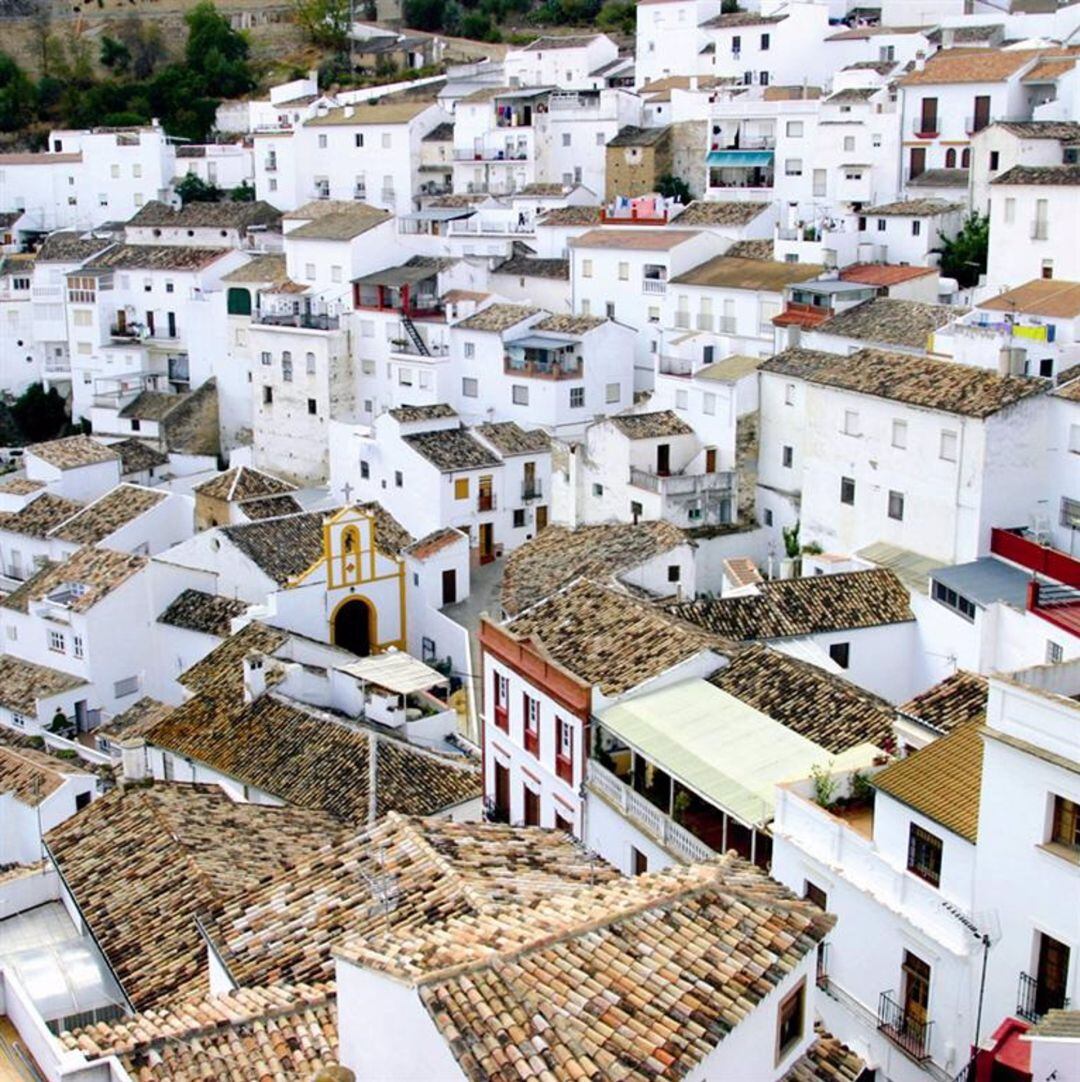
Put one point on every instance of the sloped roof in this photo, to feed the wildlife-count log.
(206, 215)
(566, 987)
(785, 608)
(975, 65)
(706, 212)
(1051, 297)
(280, 1032)
(956, 700)
(195, 610)
(557, 556)
(286, 927)
(72, 452)
(942, 780)
(451, 449)
(647, 426)
(28, 775)
(90, 575)
(141, 863)
(607, 638)
(733, 272)
(41, 515)
(312, 761)
(509, 438)
(335, 219)
(108, 513)
(497, 317)
(137, 456)
(825, 708)
(222, 670)
(243, 483)
(916, 381)
(1052, 175)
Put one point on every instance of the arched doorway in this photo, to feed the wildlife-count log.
(352, 627)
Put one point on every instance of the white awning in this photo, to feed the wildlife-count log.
(396, 671)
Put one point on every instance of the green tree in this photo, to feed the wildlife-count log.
(673, 187)
(326, 22)
(115, 55)
(145, 44)
(39, 415)
(18, 96)
(423, 14)
(617, 17)
(242, 193)
(193, 189)
(963, 257)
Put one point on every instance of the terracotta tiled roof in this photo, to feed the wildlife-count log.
(206, 215)
(22, 683)
(285, 929)
(742, 571)
(804, 606)
(1050, 297)
(830, 711)
(827, 1060)
(916, 381)
(137, 720)
(1055, 175)
(152, 405)
(631, 136)
(310, 760)
(393, 112)
(243, 483)
(704, 212)
(451, 449)
(883, 274)
(136, 456)
(176, 257)
(335, 219)
(732, 272)
(1058, 1023)
(647, 426)
(751, 249)
(284, 1032)
(566, 988)
(269, 507)
(86, 577)
(1064, 130)
(261, 268)
(976, 65)
(956, 700)
(557, 555)
(940, 178)
(437, 412)
(195, 610)
(649, 240)
(108, 513)
(434, 542)
(1048, 70)
(141, 863)
(508, 438)
(567, 324)
(910, 208)
(71, 452)
(222, 669)
(607, 638)
(735, 19)
(41, 515)
(69, 247)
(496, 318)
(569, 216)
(531, 267)
(28, 775)
(21, 486)
(941, 781)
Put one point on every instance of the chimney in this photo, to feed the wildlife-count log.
(254, 676)
(133, 758)
(693, 82)
(948, 36)
(920, 60)
(349, 110)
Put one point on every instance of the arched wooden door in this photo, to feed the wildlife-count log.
(352, 627)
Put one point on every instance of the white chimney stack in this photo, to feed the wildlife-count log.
(254, 676)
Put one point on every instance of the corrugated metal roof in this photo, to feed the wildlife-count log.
(723, 749)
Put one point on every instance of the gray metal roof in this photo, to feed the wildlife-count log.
(985, 581)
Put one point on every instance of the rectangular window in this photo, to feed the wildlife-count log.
(1055, 652)
(896, 506)
(851, 422)
(847, 491)
(794, 129)
(995, 161)
(813, 893)
(268, 396)
(127, 686)
(924, 855)
(849, 143)
(586, 268)
(1010, 211)
(793, 167)
(577, 397)
(764, 43)
(787, 457)
(56, 641)
(916, 228)
(789, 394)
(312, 407)
(399, 479)
(365, 469)
(840, 652)
(470, 388)
(790, 1021)
(469, 350)
(564, 750)
(612, 392)
(461, 488)
(519, 518)
(519, 394)
(502, 699)
(899, 434)
(77, 645)
(530, 716)
(708, 404)
(1065, 828)
(358, 139)
(322, 142)
(948, 445)
(881, 224)
(624, 272)
(286, 367)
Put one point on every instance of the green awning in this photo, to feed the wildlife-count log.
(740, 158)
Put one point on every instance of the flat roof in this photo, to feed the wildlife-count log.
(723, 749)
(913, 569)
(985, 581)
(397, 672)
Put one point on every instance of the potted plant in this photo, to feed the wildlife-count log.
(789, 566)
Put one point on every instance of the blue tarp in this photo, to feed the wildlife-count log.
(740, 157)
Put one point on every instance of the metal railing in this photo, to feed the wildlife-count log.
(682, 484)
(485, 501)
(903, 1028)
(308, 321)
(656, 286)
(1034, 1000)
(928, 129)
(270, 165)
(531, 490)
(675, 839)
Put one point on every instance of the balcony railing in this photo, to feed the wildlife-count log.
(542, 369)
(683, 484)
(655, 286)
(646, 816)
(972, 124)
(925, 129)
(903, 1028)
(485, 501)
(307, 320)
(1034, 1000)
(531, 490)
(676, 366)
(270, 165)
(1040, 230)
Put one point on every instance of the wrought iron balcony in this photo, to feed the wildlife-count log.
(1033, 1000)
(902, 1028)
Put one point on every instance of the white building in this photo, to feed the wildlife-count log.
(924, 454)
(932, 871)
(571, 62)
(909, 231)
(1032, 209)
(998, 147)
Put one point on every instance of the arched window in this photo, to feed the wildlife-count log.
(965, 158)
(950, 158)
(310, 360)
